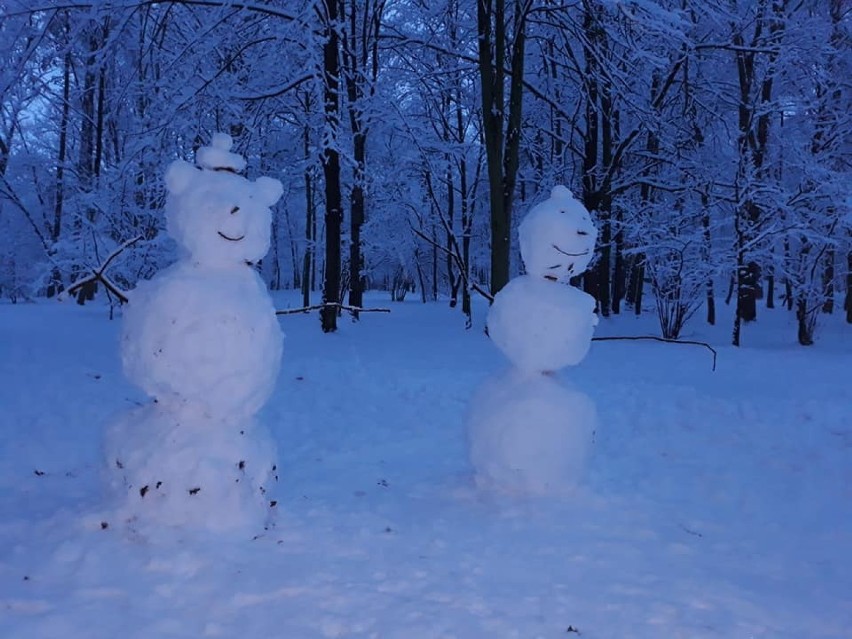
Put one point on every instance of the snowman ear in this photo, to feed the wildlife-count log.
(269, 189)
(179, 175)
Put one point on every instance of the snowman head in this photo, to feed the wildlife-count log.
(557, 237)
(216, 215)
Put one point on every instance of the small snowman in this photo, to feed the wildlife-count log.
(202, 339)
(528, 432)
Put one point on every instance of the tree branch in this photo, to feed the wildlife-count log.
(134, 4)
(98, 274)
(473, 286)
(338, 305)
(659, 339)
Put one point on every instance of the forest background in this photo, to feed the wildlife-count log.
(710, 140)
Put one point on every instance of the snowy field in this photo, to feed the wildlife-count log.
(715, 504)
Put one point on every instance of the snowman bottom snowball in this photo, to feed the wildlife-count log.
(172, 469)
(529, 434)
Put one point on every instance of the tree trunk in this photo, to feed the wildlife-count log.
(639, 287)
(434, 266)
(848, 300)
(310, 217)
(754, 120)
(708, 251)
(63, 149)
(788, 284)
(591, 139)
(805, 331)
(360, 55)
(770, 290)
(331, 167)
(275, 254)
(356, 221)
(420, 273)
(828, 282)
(466, 223)
(86, 158)
(607, 128)
(294, 250)
(618, 274)
(452, 281)
(55, 285)
(747, 287)
(501, 149)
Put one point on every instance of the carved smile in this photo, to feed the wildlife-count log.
(230, 239)
(570, 254)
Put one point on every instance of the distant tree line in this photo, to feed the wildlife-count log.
(711, 141)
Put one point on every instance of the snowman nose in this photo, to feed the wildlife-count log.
(235, 209)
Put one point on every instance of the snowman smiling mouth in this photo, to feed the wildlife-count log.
(565, 252)
(229, 238)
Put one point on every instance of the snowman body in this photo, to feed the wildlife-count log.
(540, 325)
(528, 432)
(202, 339)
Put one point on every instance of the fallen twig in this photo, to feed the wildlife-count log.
(344, 307)
(658, 339)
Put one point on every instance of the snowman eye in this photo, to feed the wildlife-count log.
(235, 209)
(582, 233)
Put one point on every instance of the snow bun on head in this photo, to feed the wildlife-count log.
(218, 156)
(557, 237)
(216, 215)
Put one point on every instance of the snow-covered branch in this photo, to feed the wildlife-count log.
(99, 275)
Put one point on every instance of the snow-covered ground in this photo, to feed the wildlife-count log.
(715, 504)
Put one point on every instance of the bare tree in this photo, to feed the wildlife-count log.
(502, 41)
(360, 48)
(329, 16)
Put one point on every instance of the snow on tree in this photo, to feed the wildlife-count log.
(691, 177)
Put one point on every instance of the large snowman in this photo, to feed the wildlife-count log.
(529, 432)
(202, 339)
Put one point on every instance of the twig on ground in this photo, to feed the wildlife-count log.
(344, 307)
(659, 339)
